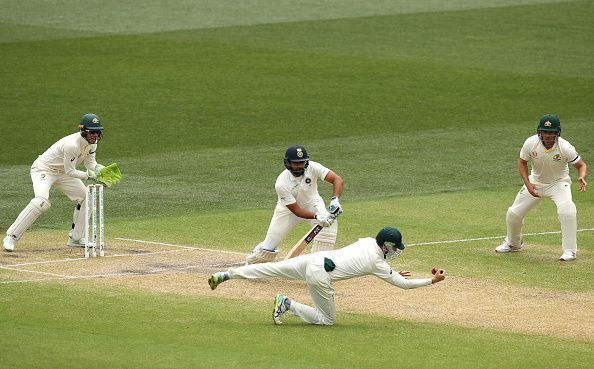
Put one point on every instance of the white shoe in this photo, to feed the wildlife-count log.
(505, 247)
(568, 255)
(9, 242)
(260, 255)
(76, 243)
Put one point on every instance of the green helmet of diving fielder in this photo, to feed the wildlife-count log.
(549, 123)
(389, 239)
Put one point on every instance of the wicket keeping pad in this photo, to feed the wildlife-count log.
(109, 175)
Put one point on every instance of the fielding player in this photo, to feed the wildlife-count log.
(549, 155)
(57, 167)
(299, 200)
(364, 257)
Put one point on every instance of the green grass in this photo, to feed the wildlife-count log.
(73, 327)
(422, 107)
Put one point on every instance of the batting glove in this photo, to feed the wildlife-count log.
(324, 220)
(334, 208)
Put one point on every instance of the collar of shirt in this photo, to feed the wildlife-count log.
(297, 179)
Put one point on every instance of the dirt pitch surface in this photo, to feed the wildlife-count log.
(185, 269)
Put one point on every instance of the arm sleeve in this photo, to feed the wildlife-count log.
(525, 151)
(571, 155)
(385, 272)
(91, 163)
(284, 195)
(70, 163)
(319, 170)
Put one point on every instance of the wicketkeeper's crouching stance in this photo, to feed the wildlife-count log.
(57, 167)
(319, 270)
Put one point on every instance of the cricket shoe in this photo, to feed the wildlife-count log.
(568, 255)
(280, 308)
(216, 279)
(505, 247)
(75, 243)
(9, 242)
(261, 255)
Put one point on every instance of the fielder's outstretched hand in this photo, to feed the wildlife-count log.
(438, 275)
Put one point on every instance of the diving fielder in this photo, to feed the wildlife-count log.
(364, 257)
(549, 155)
(299, 200)
(57, 167)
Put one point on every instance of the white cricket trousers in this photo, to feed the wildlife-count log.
(309, 268)
(560, 193)
(283, 221)
(43, 181)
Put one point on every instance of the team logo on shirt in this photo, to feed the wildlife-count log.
(534, 154)
(557, 157)
(308, 180)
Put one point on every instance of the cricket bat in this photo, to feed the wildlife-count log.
(304, 241)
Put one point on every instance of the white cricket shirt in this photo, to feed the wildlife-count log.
(64, 155)
(302, 190)
(364, 257)
(548, 166)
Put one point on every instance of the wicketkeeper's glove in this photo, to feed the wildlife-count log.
(109, 175)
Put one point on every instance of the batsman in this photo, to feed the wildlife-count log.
(298, 201)
(57, 167)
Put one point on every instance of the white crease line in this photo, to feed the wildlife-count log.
(81, 259)
(43, 262)
(35, 271)
(182, 246)
(72, 277)
(489, 238)
(185, 248)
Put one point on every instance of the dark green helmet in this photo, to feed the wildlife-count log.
(390, 240)
(90, 122)
(549, 123)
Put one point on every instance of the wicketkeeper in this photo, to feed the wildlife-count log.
(57, 167)
(298, 201)
(364, 257)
